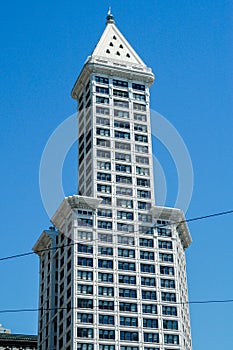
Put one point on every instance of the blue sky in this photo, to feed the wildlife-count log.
(189, 46)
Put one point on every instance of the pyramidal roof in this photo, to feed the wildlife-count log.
(114, 46)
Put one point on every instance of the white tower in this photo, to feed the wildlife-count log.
(112, 272)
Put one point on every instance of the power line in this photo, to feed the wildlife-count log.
(155, 226)
(74, 308)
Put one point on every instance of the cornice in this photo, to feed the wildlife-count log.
(177, 217)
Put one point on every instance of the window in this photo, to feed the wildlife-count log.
(147, 268)
(106, 347)
(105, 277)
(147, 255)
(128, 321)
(85, 275)
(124, 168)
(125, 227)
(169, 310)
(104, 237)
(105, 250)
(103, 165)
(103, 143)
(143, 182)
(106, 225)
(166, 257)
(120, 103)
(105, 212)
(125, 240)
(103, 132)
(102, 90)
(85, 289)
(142, 160)
(121, 114)
(138, 87)
(141, 149)
(123, 125)
(148, 294)
(140, 127)
(165, 245)
(124, 347)
(85, 318)
(101, 80)
(104, 177)
(125, 203)
(142, 171)
(120, 83)
(127, 293)
(127, 279)
(143, 194)
(123, 157)
(151, 337)
(139, 97)
(102, 110)
(171, 339)
(105, 264)
(129, 336)
(101, 99)
(124, 265)
(122, 135)
(124, 179)
(126, 253)
(123, 146)
(106, 200)
(168, 296)
(85, 303)
(104, 188)
(85, 222)
(128, 307)
(167, 283)
(106, 319)
(103, 154)
(139, 107)
(167, 270)
(106, 291)
(106, 334)
(125, 215)
(164, 232)
(85, 261)
(85, 346)
(106, 305)
(146, 230)
(124, 191)
(148, 281)
(145, 242)
(141, 138)
(170, 324)
(85, 332)
(102, 121)
(84, 248)
(144, 206)
(120, 93)
(150, 323)
(140, 117)
(149, 309)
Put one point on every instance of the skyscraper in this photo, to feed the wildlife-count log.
(112, 270)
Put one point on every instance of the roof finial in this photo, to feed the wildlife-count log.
(110, 18)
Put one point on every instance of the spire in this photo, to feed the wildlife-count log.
(110, 17)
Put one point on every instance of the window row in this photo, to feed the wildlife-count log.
(167, 310)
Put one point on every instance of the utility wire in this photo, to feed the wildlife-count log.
(155, 226)
(75, 308)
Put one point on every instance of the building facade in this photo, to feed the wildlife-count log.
(10, 341)
(112, 269)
